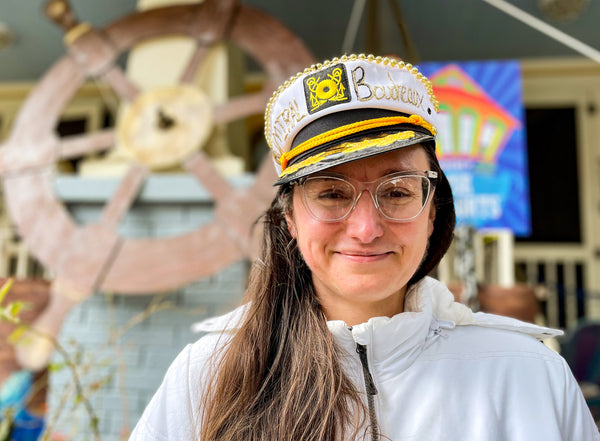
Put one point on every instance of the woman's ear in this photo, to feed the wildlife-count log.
(289, 219)
(431, 219)
(287, 203)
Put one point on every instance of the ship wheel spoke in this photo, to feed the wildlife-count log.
(124, 196)
(189, 73)
(79, 145)
(201, 167)
(121, 84)
(174, 116)
(242, 106)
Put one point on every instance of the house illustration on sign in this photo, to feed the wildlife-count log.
(473, 127)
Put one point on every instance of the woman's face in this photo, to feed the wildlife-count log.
(360, 265)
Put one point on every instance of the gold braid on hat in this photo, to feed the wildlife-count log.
(386, 61)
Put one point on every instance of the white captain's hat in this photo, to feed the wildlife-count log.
(348, 109)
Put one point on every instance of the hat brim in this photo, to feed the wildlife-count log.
(353, 150)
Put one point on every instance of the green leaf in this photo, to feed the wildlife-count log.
(16, 308)
(16, 335)
(5, 288)
(55, 367)
(5, 426)
(6, 316)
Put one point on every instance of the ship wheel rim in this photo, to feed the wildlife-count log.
(32, 181)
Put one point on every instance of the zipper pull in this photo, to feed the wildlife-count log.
(369, 383)
(438, 328)
(439, 332)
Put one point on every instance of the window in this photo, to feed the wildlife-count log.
(553, 175)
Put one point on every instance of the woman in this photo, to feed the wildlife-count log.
(343, 336)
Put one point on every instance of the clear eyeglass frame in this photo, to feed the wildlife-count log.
(428, 181)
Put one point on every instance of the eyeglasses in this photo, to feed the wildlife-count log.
(399, 197)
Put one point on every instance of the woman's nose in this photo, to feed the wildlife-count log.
(365, 223)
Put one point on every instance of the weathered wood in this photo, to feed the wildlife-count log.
(199, 165)
(242, 106)
(94, 257)
(92, 50)
(61, 13)
(41, 219)
(262, 187)
(234, 209)
(195, 61)
(150, 265)
(27, 155)
(78, 145)
(212, 20)
(41, 111)
(87, 255)
(280, 52)
(121, 84)
(34, 348)
(186, 20)
(165, 125)
(123, 198)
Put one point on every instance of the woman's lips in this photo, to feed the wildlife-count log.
(364, 256)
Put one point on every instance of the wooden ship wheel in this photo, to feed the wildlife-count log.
(94, 257)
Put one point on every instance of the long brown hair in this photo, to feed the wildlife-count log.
(445, 219)
(280, 377)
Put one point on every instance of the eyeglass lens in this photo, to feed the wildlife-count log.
(399, 198)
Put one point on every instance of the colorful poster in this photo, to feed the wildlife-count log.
(481, 141)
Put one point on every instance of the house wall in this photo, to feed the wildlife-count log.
(126, 360)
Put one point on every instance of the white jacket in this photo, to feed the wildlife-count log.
(440, 373)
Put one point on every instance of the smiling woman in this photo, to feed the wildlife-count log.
(343, 335)
(361, 264)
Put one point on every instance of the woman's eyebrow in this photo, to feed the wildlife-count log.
(390, 170)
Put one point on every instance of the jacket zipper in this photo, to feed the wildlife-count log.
(371, 390)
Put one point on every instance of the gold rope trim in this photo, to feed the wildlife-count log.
(350, 129)
(350, 147)
(371, 58)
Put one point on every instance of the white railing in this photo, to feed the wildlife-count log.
(564, 276)
(560, 287)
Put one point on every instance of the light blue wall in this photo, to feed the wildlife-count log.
(137, 362)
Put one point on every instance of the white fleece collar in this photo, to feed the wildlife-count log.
(426, 301)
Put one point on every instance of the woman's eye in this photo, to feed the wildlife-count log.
(333, 194)
(396, 193)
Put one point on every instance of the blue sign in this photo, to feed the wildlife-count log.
(481, 142)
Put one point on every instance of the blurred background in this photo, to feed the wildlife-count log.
(134, 166)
